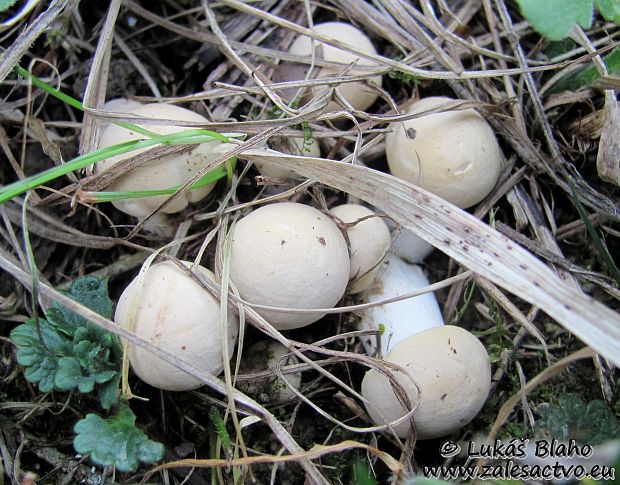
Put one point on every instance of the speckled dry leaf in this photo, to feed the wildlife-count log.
(469, 241)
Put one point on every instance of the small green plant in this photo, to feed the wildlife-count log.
(6, 4)
(572, 418)
(66, 352)
(116, 441)
(556, 18)
(406, 78)
(362, 474)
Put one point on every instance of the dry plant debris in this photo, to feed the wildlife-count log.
(531, 270)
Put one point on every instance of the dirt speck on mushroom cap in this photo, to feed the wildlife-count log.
(289, 255)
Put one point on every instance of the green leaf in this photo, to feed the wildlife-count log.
(6, 4)
(116, 441)
(587, 76)
(108, 392)
(572, 418)
(39, 351)
(70, 375)
(90, 292)
(610, 10)
(556, 18)
(66, 351)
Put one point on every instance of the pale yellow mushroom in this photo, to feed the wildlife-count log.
(369, 242)
(453, 154)
(292, 256)
(358, 94)
(169, 309)
(161, 173)
(453, 375)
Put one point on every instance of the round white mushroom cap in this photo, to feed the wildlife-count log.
(453, 154)
(369, 242)
(264, 355)
(358, 94)
(169, 309)
(452, 370)
(400, 319)
(121, 105)
(161, 173)
(289, 255)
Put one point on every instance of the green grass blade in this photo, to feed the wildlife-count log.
(599, 245)
(103, 196)
(184, 137)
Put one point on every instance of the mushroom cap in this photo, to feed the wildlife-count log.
(409, 246)
(294, 146)
(357, 93)
(121, 105)
(453, 154)
(402, 318)
(289, 255)
(172, 311)
(452, 370)
(160, 173)
(369, 242)
(263, 355)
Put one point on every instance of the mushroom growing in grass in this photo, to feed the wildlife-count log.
(167, 307)
(269, 355)
(398, 320)
(307, 147)
(453, 376)
(358, 94)
(453, 154)
(292, 256)
(161, 173)
(369, 242)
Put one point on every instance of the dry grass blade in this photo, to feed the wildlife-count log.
(469, 241)
(315, 452)
(17, 49)
(97, 81)
(213, 382)
(608, 157)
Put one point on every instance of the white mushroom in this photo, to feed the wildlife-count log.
(398, 320)
(369, 242)
(161, 173)
(452, 371)
(121, 105)
(289, 255)
(409, 246)
(294, 146)
(360, 95)
(453, 154)
(171, 310)
(268, 355)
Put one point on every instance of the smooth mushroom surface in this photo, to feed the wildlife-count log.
(171, 310)
(294, 146)
(400, 319)
(369, 242)
(409, 246)
(268, 355)
(358, 94)
(453, 154)
(452, 371)
(160, 173)
(292, 256)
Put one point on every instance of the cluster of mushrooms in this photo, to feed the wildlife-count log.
(287, 255)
